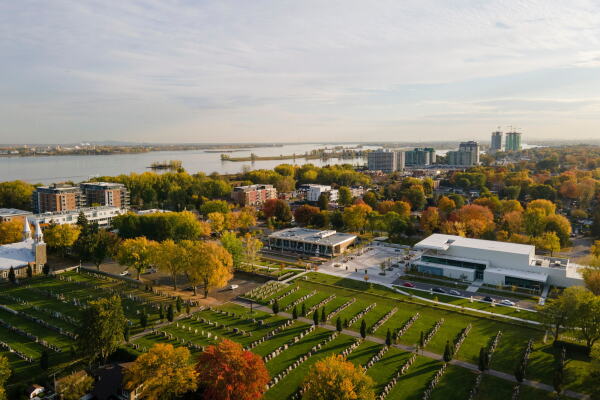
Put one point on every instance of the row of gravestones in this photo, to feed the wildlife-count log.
(270, 334)
(281, 296)
(280, 376)
(434, 381)
(48, 325)
(461, 338)
(188, 343)
(291, 342)
(377, 357)
(21, 355)
(383, 320)
(52, 313)
(432, 331)
(401, 371)
(516, 392)
(320, 304)
(401, 331)
(31, 336)
(341, 308)
(300, 300)
(490, 351)
(266, 290)
(361, 314)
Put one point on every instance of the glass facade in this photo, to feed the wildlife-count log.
(453, 263)
(430, 270)
(524, 283)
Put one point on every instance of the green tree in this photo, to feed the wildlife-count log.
(29, 271)
(447, 352)
(16, 194)
(323, 315)
(101, 330)
(363, 329)
(137, 253)
(556, 313)
(5, 373)
(44, 360)
(388, 337)
(212, 206)
(344, 196)
(143, 320)
(275, 307)
(170, 313)
(295, 313)
(323, 201)
(235, 246)
(11, 275)
(103, 243)
(74, 386)
(338, 324)
(303, 312)
(316, 317)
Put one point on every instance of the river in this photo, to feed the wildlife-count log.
(49, 169)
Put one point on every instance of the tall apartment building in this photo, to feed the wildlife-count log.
(385, 160)
(56, 198)
(420, 156)
(513, 141)
(253, 195)
(496, 144)
(467, 155)
(105, 194)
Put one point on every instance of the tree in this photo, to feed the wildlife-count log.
(44, 360)
(227, 372)
(548, 241)
(305, 214)
(559, 225)
(344, 196)
(338, 324)
(164, 372)
(555, 313)
(560, 359)
(103, 244)
(370, 199)
(323, 201)
(334, 378)
(170, 313)
(4, 375)
(481, 365)
(169, 257)
(295, 312)
(275, 307)
(127, 332)
(323, 315)
(546, 206)
(235, 246)
(212, 206)
(534, 220)
(446, 206)
(74, 386)
(101, 330)
(447, 352)
(316, 317)
(278, 209)
(252, 247)
(355, 217)
(29, 271)
(591, 277)
(11, 232)
(388, 337)
(207, 264)
(430, 220)
(12, 278)
(363, 329)
(143, 320)
(415, 195)
(303, 310)
(586, 316)
(161, 226)
(16, 194)
(137, 253)
(422, 340)
(61, 236)
(216, 221)
(476, 219)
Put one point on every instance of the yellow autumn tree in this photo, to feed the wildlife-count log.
(164, 372)
(334, 378)
(207, 264)
(137, 253)
(11, 232)
(61, 236)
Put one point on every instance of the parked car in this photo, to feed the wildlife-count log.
(125, 273)
(233, 287)
(454, 292)
(438, 290)
(507, 302)
(488, 299)
(408, 284)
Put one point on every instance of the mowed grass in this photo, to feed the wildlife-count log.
(383, 370)
(413, 383)
(493, 388)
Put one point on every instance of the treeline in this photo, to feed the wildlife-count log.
(161, 226)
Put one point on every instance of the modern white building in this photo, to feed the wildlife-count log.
(102, 215)
(494, 263)
(315, 191)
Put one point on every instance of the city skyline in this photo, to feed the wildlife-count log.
(231, 72)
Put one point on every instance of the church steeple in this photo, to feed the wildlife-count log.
(38, 236)
(26, 230)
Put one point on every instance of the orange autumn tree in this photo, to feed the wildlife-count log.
(476, 219)
(334, 378)
(228, 372)
(430, 220)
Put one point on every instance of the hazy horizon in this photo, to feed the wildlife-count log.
(298, 72)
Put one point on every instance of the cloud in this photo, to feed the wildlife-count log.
(151, 70)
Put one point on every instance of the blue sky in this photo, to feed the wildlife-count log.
(276, 71)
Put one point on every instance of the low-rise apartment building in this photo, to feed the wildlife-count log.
(253, 195)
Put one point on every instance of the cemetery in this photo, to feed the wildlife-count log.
(42, 316)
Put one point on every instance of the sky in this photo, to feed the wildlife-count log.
(297, 71)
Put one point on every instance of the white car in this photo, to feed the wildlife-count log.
(124, 273)
(454, 292)
(507, 302)
(233, 287)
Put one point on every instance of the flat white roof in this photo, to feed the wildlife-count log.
(314, 236)
(438, 241)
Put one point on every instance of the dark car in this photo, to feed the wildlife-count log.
(488, 299)
(438, 290)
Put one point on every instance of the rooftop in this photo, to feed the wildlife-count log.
(442, 242)
(328, 238)
(16, 254)
(11, 212)
(77, 211)
(103, 184)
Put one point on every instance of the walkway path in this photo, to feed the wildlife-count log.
(475, 285)
(425, 353)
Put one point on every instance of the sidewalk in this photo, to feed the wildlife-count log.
(425, 353)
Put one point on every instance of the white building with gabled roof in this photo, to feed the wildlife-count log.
(493, 262)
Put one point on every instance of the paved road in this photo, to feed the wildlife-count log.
(428, 354)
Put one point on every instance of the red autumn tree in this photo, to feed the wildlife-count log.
(228, 372)
(305, 213)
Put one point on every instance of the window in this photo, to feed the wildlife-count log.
(453, 263)
(524, 283)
